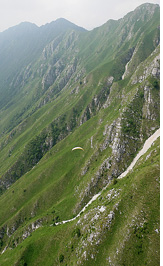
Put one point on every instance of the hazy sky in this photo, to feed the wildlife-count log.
(86, 13)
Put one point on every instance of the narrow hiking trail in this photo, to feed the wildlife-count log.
(146, 146)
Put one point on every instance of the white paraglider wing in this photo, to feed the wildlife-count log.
(77, 148)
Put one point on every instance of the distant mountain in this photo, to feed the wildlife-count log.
(21, 45)
(61, 87)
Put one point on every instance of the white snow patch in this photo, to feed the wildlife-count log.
(146, 146)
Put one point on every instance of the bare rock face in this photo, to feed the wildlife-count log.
(152, 68)
(98, 101)
(148, 102)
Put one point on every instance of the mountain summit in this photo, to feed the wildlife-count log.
(63, 87)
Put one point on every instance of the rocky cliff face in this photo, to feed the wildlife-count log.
(127, 134)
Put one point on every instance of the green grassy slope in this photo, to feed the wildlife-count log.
(131, 237)
(54, 189)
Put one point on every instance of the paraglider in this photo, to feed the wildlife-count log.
(77, 148)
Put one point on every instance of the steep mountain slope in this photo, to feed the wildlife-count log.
(120, 228)
(98, 90)
(20, 46)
